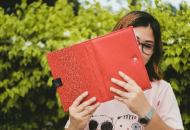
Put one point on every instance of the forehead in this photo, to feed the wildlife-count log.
(144, 33)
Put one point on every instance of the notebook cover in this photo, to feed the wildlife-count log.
(89, 66)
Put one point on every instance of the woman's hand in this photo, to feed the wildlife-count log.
(134, 98)
(81, 113)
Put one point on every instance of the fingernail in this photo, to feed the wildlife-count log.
(120, 72)
(86, 92)
(111, 88)
(112, 79)
(94, 98)
(97, 103)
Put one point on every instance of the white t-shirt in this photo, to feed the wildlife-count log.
(117, 115)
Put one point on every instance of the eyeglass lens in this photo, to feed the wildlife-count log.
(147, 48)
(93, 125)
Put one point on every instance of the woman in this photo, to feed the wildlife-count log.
(153, 109)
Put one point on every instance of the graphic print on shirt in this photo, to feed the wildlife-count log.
(124, 123)
(103, 122)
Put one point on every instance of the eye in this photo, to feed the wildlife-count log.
(148, 46)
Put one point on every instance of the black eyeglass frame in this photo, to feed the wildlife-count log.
(144, 44)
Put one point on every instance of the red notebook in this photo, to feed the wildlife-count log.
(90, 65)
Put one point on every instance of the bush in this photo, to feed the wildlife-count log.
(28, 101)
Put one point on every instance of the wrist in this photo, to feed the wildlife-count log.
(71, 127)
(144, 111)
(144, 120)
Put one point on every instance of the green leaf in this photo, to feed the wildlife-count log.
(186, 53)
(129, 1)
(24, 4)
(174, 83)
(176, 60)
(50, 104)
(2, 98)
(178, 51)
(23, 90)
(184, 60)
(49, 83)
(168, 61)
(11, 94)
(9, 103)
(32, 106)
(185, 67)
(186, 118)
(176, 66)
(15, 90)
(156, 2)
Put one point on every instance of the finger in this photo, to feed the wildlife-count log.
(122, 84)
(127, 79)
(121, 99)
(90, 110)
(85, 104)
(79, 99)
(119, 92)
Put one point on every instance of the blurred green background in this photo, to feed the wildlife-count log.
(30, 29)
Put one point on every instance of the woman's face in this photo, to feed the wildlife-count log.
(144, 35)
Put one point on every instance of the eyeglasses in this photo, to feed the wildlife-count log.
(147, 48)
(93, 125)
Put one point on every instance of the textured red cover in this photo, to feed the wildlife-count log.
(89, 66)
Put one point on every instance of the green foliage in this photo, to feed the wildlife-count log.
(175, 64)
(27, 100)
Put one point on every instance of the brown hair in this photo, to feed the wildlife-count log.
(141, 18)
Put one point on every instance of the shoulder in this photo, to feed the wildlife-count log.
(161, 91)
(160, 83)
(161, 86)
